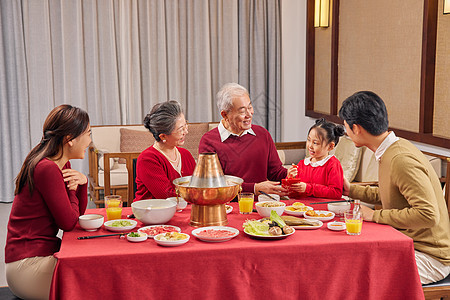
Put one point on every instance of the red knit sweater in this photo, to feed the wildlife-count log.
(252, 158)
(154, 173)
(325, 181)
(35, 219)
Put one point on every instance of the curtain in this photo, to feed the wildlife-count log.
(116, 59)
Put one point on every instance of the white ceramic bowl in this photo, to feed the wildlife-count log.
(181, 203)
(154, 211)
(339, 207)
(91, 222)
(159, 240)
(142, 237)
(262, 198)
(265, 211)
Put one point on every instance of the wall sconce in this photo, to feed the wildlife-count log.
(446, 6)
(322, 13)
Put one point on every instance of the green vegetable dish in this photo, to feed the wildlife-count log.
(121, 223)
(274, 226)
(134, 234)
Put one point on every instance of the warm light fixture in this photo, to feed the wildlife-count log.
(446, 6)
(321, 13)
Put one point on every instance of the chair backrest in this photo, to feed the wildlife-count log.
(134, 177)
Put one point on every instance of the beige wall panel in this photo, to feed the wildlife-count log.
(380, 45)
(322, 70)
(441, 118)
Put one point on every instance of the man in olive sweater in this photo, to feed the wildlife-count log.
(408, 190)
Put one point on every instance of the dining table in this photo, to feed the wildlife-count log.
(309, 264)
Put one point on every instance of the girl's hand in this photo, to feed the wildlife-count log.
(73, 178)
(298, 187)
(292, 171)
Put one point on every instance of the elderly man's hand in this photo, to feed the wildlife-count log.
(270, 187)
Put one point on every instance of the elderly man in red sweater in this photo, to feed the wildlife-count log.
(244, 150)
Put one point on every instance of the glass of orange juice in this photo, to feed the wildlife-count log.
(113, 206)
(353, 222)
(246, 202)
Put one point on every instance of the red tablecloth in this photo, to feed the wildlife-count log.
(311, 264)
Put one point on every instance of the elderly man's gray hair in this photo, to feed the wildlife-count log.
(226, 94)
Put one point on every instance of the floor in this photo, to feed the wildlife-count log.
(5, 209)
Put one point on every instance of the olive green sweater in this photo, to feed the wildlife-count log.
(412, 199)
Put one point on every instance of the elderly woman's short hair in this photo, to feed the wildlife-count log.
(162, 118)
(226, 94)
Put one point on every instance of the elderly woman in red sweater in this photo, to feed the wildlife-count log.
(158, 165)
(244, 150)
(49, 196)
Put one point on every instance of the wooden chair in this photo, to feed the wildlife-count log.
(437, 290)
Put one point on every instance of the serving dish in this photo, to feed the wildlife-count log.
(269, 237)
(290, 210)
(319, 224)
(154, 230)
(135, 239)
(228, 208)
(160, 239)
(336, 226)
(113, 225)
(154, 211)
(264, 211)
(320, 212)
(215, 230)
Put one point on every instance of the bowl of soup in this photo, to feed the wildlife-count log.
(154, 211)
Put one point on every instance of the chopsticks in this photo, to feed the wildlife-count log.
(335, 201)
(268, 195)
(97, 236)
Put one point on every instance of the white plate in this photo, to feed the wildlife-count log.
(270, 237)
(136, 239)
(232, 230)
(307, 226)
(228, 208)
(337, 226)
(143, 229)
(296, 213)
(108, 225)
(171, 243)
(321, 218)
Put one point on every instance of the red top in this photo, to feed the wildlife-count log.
(154, 173)
(252, 158)
(35, 219)
(325, 181)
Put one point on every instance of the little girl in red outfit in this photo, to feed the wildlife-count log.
(321, 174)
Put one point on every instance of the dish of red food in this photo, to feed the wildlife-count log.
(215, 233)
(154, 230)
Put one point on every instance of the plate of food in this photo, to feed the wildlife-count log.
(136, 237)
(336, 226)
(228, 208)
(321, 215)
(301, 223)
(271, 228)
(154, 230)
(171, 239)
(297, 209)
(215, 233)
(120, 225)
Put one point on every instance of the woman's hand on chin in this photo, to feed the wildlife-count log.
(73, 178)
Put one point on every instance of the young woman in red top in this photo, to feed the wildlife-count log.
(49, 196)
(158, 165)
(321, 174)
